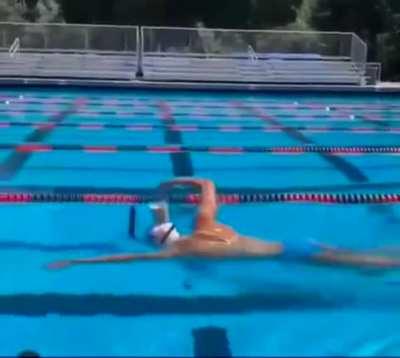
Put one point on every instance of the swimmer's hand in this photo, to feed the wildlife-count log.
(184, 181)
(59, 265)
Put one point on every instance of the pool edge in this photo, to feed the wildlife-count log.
(203, 86)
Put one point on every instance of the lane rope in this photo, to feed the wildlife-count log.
(144, 127)
(228, 199)
(223, 116)
(231, 150)
(123, 102)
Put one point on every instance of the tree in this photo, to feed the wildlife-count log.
(268, 14)
(10, 11)
(87, 11)
(367, 18)
(139, 12)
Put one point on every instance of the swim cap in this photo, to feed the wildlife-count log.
(165, 233)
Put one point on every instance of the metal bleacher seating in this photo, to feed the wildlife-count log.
(262, 70)
(127, 53)
(252, 56)
(68, 65)
(61, 51)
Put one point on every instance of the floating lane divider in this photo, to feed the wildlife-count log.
(289, 115)
(144, 127)
(228, 199)
(168, 149)
(123, 102)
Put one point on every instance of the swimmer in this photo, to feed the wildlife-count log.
(213, 240)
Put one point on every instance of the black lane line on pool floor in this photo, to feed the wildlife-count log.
(39, 305)
(182, 165)
(103, 247)
(16, 160)
(349, 170)
(352, 173)
(211, 342)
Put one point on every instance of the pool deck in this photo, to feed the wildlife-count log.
(382, 87)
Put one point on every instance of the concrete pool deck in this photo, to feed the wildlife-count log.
(381, 87)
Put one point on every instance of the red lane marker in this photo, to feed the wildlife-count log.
(393, 198)
(270, 129)
(193, 199)
(164, 150)
(30, 148)
(4, 125)
(100, 149)
(45, 126)
(80, 102)
(264, 116)
(15, 198)
(166, 112)
(372, 117)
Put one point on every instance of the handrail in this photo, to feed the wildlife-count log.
(14, 48)
(246, 30)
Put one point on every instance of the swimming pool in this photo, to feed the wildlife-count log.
(194, 308)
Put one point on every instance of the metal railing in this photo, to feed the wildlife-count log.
(358, 53)
(70, 37)
(217, 42)
(69, 51)
(167, 53)
(373, 73)
(122, 52)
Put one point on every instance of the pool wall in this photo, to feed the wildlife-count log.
(203, 86)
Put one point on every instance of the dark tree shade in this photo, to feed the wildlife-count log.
(272, 13)
(352, 15)
(376, 21)
(88, 11)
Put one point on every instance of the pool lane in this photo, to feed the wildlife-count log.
(168, 309)
(279, 122)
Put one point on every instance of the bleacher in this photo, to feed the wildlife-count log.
(264, 70)
(252, 56)
(68, 51)
(195, 55)
(69, 65)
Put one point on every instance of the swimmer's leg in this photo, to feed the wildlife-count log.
(356, 260)
(316, 252)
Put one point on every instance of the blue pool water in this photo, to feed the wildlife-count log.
(193, 308)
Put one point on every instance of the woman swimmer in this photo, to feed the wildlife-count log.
(211, 239)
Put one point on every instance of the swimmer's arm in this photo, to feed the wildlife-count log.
(114, 259)
(208, 200)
